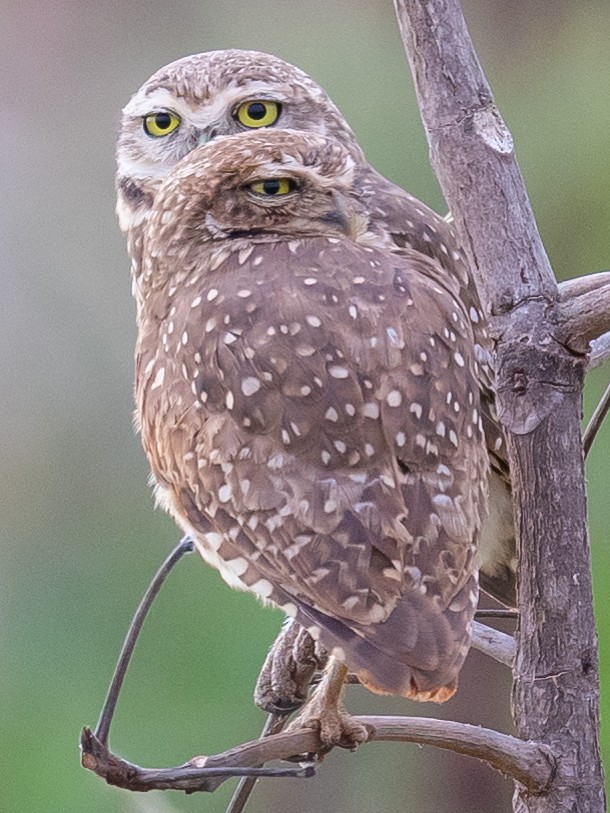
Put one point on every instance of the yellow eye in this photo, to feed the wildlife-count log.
(161, 124)
(274, 187)
(258, 113)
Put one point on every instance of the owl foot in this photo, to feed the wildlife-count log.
(335, 727)
(288, 670)
(325, 713)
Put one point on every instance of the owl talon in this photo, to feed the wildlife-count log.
(335, 727)
(325, 713)
(288, 670)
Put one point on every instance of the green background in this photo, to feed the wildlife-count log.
(80, 539)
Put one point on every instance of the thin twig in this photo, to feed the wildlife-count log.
(596, 421)
(530, 763)
(496, 613)
(274, 724)
(103, 727)
(193, 776)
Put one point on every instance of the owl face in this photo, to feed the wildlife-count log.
(196, 99)
(263, 184)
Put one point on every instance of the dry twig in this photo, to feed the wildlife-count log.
(528, 763)
(596, 421)
(103, 726)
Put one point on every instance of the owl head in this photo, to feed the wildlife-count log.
(198, 98)
(261, 185)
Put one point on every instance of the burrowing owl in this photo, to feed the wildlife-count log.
(309, 404)
(200, 97)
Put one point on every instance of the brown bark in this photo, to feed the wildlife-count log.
(540, 379)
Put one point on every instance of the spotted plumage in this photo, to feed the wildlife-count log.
(208, 94)
(321, 442)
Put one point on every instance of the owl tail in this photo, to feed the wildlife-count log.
(416, 653)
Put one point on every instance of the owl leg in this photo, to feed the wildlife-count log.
(289, 667)
(326, 714)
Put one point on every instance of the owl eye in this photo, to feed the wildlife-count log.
(160, 124)
(274, 187)
(258, 113)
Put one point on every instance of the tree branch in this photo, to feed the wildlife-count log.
(540, 376)
(528, 763)
(585, 307)
(103, 726)
(584, 311)
(498, 645)
(600, 351)
(274, 724)
(596, 421)
(570, 289)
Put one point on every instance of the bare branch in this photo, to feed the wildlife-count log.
(200, 774)
(585, 312)
(600, 351)
(274, 724)
(570, 289)
(498, 645)
(103, 727)
(596, 421)
(472, 153)
(585, 300)
(504, 612)
(527, 762)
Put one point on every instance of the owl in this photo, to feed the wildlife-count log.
(199, 98)
(310, 406)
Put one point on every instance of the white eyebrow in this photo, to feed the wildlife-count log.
(200, 114)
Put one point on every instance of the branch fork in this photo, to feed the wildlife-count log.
(528, 763)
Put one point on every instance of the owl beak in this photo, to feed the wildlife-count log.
(207, 134)
(342, 217)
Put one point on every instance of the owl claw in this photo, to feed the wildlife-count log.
(288, 670)
(335, 726)
(325, 713)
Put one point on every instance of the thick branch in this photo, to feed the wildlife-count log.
(471, 151)
(539, 386)
(527, 762)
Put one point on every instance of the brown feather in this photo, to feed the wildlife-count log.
(297, 393)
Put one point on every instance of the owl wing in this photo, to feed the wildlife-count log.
(411, 226)
(336, 424)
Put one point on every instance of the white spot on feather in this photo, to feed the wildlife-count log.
(336, 371)
(159, 378)
(225, 493)
(250, 385)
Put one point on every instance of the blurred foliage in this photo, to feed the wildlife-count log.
(79, 536)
